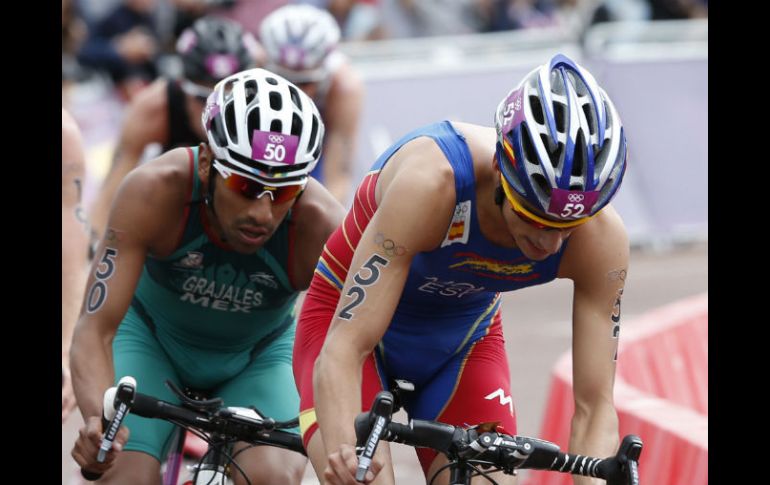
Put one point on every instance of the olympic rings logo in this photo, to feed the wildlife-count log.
(276, 138)
(574, 198)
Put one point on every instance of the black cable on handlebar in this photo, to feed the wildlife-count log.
(470, 464)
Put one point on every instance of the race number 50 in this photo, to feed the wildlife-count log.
(98, 292)
(275, 152)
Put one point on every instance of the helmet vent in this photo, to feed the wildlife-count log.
(560, 115)
(313, 132)
(276, 126)
(275, 100)
(218, 132)
(590, 118)
(271, 80)
(252, 122)
(529, 150)
(230, 122)
(578, 161)
(542, 183)
(295, 97)
(251, 89)
(557, 154)
(296, 125)
(537, 109)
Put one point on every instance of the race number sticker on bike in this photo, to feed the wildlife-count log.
(269, 146)
(572, 204)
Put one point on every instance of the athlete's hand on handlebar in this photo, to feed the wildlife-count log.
(342, 466)
(87, 445)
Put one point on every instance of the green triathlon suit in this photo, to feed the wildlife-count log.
(213, 320)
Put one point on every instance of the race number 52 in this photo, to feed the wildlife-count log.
(357, 291)
(573, 210)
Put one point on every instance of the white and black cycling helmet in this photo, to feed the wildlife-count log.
(298, 39)
(561, 146)
(261, 125)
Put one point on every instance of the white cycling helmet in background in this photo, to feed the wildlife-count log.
(261, 125)
(298, 40)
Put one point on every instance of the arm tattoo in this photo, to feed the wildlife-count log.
(615, 317)
(80, 214)
(618, 274)
(389, 246)
(97, 294)
(358, 292)
(113, 235)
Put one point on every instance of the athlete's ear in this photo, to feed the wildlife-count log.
(204, 160)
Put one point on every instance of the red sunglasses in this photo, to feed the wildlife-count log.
(253, 189)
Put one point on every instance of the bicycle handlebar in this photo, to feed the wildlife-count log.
(491, 448)
(241, 424)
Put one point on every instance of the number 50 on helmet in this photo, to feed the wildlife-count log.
(261, 125)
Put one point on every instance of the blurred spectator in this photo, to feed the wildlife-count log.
(301, 45)
(522, 14)
(621, 11)
(249, 13)
(125, 44)
(188, 11)
(678, 9)
(168, 112)
(358, 19)
(73, 33)
(445, 17)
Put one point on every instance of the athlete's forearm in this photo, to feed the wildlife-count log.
(594, 433)
(337, 391)
(92, 369)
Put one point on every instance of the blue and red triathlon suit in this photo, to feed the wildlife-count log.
(446, 334)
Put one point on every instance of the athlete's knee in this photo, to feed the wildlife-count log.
(275, 472)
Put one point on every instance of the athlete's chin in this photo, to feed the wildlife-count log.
(537, 256)
(533, 252)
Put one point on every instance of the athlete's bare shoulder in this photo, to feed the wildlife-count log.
(315, 215)
(419, 161)
(418, 189)
(318, 206)
(168, 174)
(481, 140)
(151, 200)
(346, 81)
